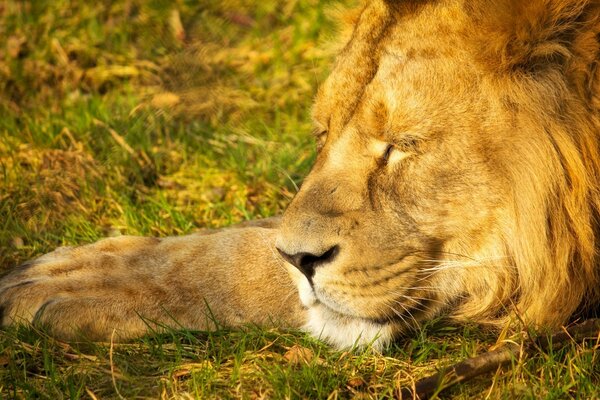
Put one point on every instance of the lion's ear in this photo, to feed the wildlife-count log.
(538, 35)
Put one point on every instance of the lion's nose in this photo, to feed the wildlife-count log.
(308, 262)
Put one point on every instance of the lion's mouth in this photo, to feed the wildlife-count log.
(408, 320)
(405, 309)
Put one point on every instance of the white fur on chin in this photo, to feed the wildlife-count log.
(344, 332)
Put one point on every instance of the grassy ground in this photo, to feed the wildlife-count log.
(160, 117)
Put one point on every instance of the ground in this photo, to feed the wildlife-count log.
(160, 118)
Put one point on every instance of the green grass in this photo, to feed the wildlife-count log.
(160, 117)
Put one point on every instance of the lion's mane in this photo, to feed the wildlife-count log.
(545, 55)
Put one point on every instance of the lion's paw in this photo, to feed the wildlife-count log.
(78, 289)
(34, 285)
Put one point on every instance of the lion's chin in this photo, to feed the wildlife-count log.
(341, 329)
(347, 332)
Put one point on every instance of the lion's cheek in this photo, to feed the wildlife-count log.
(351, 299)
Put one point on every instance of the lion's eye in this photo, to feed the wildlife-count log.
(399, 150)
(321, 137)
(387, 153)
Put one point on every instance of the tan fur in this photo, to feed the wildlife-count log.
(135, 285)
(486, 207)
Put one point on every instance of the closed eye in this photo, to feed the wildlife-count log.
(321, 138)
(394, 152)
(387, 153)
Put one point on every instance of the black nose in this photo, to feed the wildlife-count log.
(307, 262)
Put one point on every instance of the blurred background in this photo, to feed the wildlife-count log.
(152, 117)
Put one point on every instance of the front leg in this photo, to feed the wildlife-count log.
(132, 285)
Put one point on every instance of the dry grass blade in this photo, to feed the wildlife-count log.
(112, 365)
(494, 359)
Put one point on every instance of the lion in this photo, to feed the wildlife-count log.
(457, 175)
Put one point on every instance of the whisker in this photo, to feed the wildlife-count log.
(451, 253)
(398, 314)
(407, 311)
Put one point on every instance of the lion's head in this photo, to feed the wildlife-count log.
(458, 169)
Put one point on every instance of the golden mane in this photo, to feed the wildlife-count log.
(545, 55)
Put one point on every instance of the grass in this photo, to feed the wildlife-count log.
(160, 117)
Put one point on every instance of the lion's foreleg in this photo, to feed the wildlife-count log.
(132, 285)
